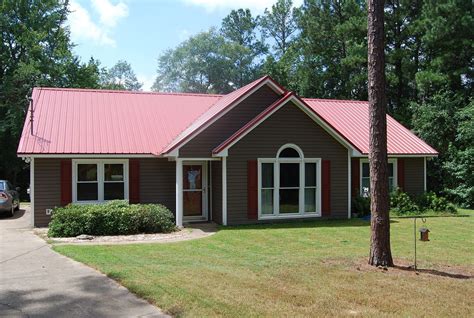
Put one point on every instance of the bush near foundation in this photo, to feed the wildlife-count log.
(111, 218)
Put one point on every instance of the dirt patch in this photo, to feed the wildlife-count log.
(404, 267)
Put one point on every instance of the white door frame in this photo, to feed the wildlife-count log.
(205, 189)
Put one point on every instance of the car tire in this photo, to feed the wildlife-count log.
(12, 211)
(17, 206)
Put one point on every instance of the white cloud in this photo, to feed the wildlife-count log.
(147, 80)
(255, 5)
(83, 27)
(109, 13)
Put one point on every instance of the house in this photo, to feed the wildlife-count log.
(258, 154)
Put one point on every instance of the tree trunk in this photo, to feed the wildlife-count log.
(380, 252)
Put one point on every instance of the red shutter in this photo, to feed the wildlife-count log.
(355, 175)
(66, 181)
(401, 173)
(252, 190)
(326, 188)
(134, 180)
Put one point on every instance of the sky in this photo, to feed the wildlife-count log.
(138, 31)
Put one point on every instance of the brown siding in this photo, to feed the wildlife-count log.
(216, 182)
(158, 182)
(202, 145)
(414, 175)
(288, 125)
(47, 188)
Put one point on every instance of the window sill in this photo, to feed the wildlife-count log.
(289, 216)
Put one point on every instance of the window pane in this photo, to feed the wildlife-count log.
(390, 169)
(365, 186)
(289, 200)
(267, 201)
(289, 175)
(87, 172)
(310, 200)
(87, 192)
(310, 174)
(390, 184)
(113, 191)
(192, 177)
(113, 172)
(2, 186)
(289, 153)
(267, 175)
(365, 170)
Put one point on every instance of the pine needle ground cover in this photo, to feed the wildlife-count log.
(313, 268)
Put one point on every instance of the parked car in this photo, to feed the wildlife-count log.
(9, 198)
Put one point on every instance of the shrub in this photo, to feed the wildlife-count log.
(361, 205)
(111, 218)
(430, 201)
(401, 203)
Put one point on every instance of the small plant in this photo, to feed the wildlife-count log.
(111, 218)
(401, 203)
(361, 205)
(430, 201)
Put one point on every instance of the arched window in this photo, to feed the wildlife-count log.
(289, 184)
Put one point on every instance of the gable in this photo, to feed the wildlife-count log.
(289, 125)
(202, 144)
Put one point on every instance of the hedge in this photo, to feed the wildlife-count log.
(111, 218)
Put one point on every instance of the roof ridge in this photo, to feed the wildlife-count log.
(335, 100)
(98, 90)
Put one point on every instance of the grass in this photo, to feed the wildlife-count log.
(300, 269)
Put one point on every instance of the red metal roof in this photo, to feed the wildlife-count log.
(85, 121)
(351, 120)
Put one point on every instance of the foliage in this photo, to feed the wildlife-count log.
(360, 205)
(402, 203)
(112, 218)
(120, 77)
(297, 269)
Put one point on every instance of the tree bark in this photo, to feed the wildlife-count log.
(380, 252)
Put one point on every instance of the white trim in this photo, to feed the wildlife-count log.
(100, 178)
(205, 188)
(32, 191)
(349, 184)
(89, 156)
(424, 174)
(210, 215)
(197, 127)
(224, 191)
(393, 161)
(179, 193)
(304, 108)
(276, 185)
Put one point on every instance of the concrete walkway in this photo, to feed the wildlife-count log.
(35, 281)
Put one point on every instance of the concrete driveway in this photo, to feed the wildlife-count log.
(35, 281)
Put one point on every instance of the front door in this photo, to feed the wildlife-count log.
(194, 191)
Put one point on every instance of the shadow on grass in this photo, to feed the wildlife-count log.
(433, 272)
(285, 224)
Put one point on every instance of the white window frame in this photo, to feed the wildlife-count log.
(393, 161)
(100, 178)
(276, 185)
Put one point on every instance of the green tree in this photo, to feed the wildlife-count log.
(120, 77)
(279, 24)
(35, 51)
(239, 28)
(333, 49)
(200, 64)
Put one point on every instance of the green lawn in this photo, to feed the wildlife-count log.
(298, 269)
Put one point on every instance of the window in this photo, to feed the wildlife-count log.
(289, 184)
(365, 176)
(100, 180)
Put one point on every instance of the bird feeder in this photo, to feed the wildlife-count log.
(424, 232)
